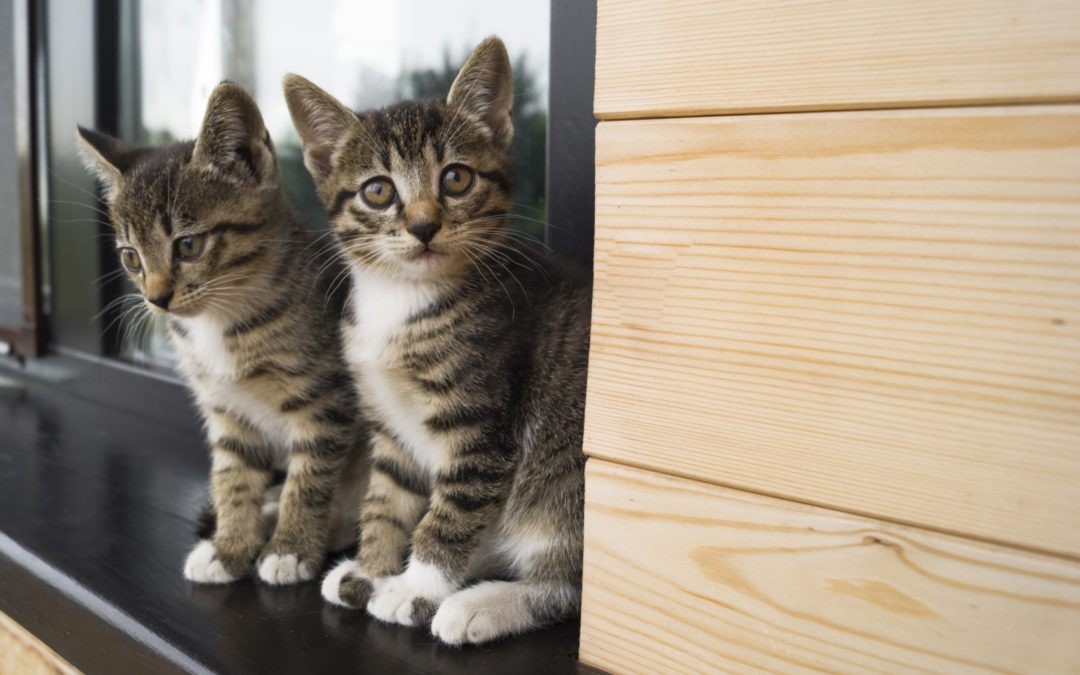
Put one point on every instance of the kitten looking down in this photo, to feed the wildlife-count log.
(206, 234)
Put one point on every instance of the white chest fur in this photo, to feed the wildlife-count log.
(381, 306)
(204, 351)
(205, 346)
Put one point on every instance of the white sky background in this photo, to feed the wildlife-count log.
(354, 49)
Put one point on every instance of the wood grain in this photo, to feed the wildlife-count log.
(23, 654)
(875, 311)
(700, 57)
(684, 577)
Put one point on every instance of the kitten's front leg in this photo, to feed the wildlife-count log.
(396, 497)
(238, 478)
(296, 551)
(464, 501)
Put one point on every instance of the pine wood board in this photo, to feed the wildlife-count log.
(687, 577)
(703, 57)
(23, 654)
(873, 311)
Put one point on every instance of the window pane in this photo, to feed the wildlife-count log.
(366, 53)
(11, 309)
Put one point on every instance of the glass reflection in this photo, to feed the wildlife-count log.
(366, 53)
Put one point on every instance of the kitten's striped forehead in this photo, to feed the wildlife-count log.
(412, 137)
(407, 130)
(398, 136)
(154, 190)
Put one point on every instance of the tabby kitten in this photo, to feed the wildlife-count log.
(469, 348)
(206, 233)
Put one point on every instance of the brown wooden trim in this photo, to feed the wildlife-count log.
(22, 652)
(24, 341)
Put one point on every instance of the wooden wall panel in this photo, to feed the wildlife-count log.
(688, 577)
(701, 57)
(876, 311)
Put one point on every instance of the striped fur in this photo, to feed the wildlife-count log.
(255, 327)
(470, 353)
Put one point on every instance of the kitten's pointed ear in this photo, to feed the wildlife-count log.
(485, 88)
(233, 138)
(105, 157)
(321, 121)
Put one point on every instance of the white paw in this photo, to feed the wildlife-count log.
(451, 622)
(485, 612)
(203, 567)
(285, 568)
(410, 598)
(392, 601)
(331, 585)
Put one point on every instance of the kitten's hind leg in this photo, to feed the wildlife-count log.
(540, 538)
(548, 567)
(494, 609)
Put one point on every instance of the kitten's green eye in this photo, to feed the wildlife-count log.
(130, 258)
(378, 193)
(456, 180)
(189, 248)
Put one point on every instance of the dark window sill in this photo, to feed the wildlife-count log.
(97, 510)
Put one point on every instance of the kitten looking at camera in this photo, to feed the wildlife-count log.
(469, 347)
(207, 235)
